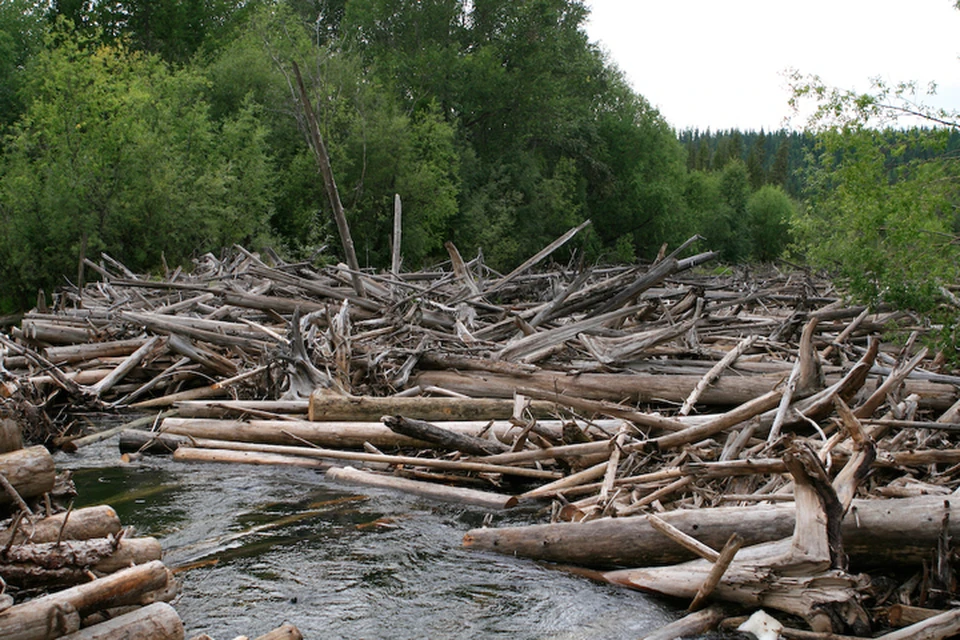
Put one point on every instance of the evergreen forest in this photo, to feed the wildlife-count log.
(158, 130)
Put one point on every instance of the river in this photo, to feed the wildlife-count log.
(268, 545)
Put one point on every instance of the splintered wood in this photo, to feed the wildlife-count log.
(643, 415)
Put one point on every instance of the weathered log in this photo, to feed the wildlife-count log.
(646, 388)
(330, 407)
(944, 625)
(460, 495)
(285, 632)
(125, 367)
(340, 434)
(444, 438)
(876, 533)
(375, 458)
(192, 454)
(694, 624)
(11, 438)
(67, 562)
(240, 408)
(59, 613)
(81, 524)
(157, 621)
(808, 580)
(31, 471)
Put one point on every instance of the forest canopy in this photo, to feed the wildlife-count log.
(155, 131)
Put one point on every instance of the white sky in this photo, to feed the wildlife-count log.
(720, 63)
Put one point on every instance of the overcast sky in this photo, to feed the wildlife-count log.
(720, 63)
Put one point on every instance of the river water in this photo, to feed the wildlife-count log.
(268, 545)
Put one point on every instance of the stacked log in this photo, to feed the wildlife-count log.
(649, 413)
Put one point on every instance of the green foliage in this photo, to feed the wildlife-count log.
(21, 36)
(886, 226)
(769, 213)
(117, 153)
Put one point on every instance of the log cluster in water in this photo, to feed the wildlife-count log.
(740, 438)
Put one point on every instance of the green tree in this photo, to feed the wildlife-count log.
(117, 153)
(756, 161)
(21, 36)
(769, 214)
(780, 171)
(887, 227)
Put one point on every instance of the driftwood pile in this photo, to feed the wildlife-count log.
(652, 414)
(107, 579)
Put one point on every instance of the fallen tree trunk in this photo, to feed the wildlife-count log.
(68, 562)
(158, 621)
(82, 524)
(644, 388)
(444, 438)
(876, 533)
(31, 472)
(342, 434)
(171, 445)
(325, 406)
(460, 495)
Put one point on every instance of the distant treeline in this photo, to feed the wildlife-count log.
(155, 130)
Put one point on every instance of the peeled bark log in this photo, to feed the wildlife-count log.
(285, 632)
(340, 434)
(192, 454)
(876, 533)
(439, 492)
(158, 621)
(646, 387)
(31, 472)
(59, 613)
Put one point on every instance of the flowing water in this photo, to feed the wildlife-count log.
(268, 545)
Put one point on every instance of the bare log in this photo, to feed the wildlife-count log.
(439, 492)
(327, 406)
(341, 434)
(31, 472)
(444, 438)
(323, 162)
(876, 533)
(81, 524)
(157, 621)
(285, 632)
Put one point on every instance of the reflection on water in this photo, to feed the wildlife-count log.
(269, 545)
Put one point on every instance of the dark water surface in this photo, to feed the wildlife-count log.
(274, 545)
